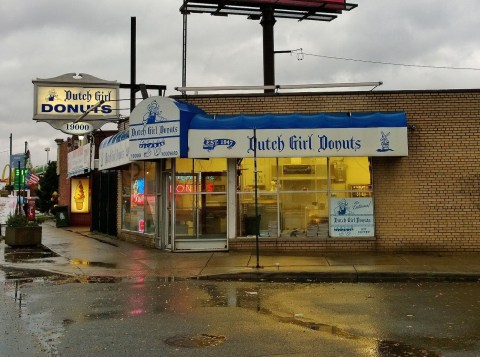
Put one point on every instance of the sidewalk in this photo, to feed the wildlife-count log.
(89, 255)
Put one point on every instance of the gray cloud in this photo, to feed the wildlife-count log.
(46, 38)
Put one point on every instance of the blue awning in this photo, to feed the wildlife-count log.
(299, 121)
(298, 135)
(162, 127)
(111, 140)
(113, 151)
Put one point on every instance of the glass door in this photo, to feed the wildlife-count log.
(200, 205)
(187, 205)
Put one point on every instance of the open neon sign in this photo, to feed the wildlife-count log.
(187, 188)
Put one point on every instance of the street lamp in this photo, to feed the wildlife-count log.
(47, 150)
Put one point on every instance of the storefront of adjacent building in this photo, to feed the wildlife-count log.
(88, 194)
(412, 185)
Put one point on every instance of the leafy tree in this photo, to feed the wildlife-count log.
(47, 186)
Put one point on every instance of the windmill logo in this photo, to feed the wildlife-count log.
(384, 143)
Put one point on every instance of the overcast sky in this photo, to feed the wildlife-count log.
(47, 38)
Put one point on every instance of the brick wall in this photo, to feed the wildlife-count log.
(428, 201)
(63, 180)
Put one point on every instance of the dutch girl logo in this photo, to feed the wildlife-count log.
(384, 143)
(210, 144)
(52, 95)
(152, 114)
(342, 208)
(151, 146)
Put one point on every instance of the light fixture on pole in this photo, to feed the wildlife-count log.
(47, 150)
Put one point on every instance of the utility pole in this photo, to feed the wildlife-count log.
(10, 164)
(133, 61)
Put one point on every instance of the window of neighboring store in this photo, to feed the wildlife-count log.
(293, 193)
(200, 198)
(138, 197)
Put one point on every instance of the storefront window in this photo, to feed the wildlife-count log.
(294, 194)
(138, 198)
(200, 198)
(303, 186)
(267, 198)
(351, 202)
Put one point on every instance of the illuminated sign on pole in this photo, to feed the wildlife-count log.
(60, 101)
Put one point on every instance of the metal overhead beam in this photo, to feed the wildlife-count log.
(256, 13)
(266, 11)
(216, 7)
(138, 87)
(280, 86)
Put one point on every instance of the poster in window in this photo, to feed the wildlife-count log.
(138, 192)
(351, 217)
(79, 197)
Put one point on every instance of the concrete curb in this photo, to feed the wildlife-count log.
(342, 277)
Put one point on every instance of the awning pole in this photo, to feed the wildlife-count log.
(257, 221)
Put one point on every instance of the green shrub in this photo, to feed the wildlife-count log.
(18, 220)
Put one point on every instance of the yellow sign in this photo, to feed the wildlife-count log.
(6, 173)
(80, 196)
(61, 102)
(74, 101)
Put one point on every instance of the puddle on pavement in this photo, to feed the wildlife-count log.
(105, 315)
(202, 340)
(240, 297)
(393, 348)
(26, 254)
(251, 299)
(10, 273)
(103, 279)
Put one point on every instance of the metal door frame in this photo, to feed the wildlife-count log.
(195, 244)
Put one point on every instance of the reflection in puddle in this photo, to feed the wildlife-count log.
(9, 273)
(138, 296)
(392, 348)
(251, 299)
(24, 254)
(103, 279)
(104, 315)
(77, 261)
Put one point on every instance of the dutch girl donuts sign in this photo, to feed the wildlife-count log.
(154, 130)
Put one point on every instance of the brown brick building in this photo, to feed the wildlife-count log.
(427, 201)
